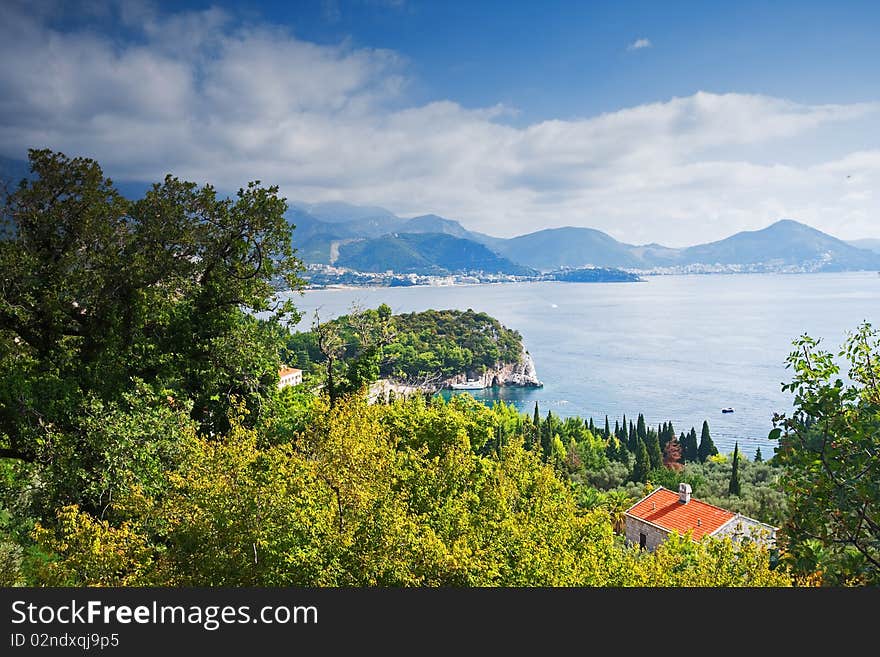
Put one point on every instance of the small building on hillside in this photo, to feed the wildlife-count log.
(650, 520)
(289, 376)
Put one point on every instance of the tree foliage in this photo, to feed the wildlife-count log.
(707, 446)
(384, 495)
(143, 440)
(103, 298)
(830, 449)
(734, 488)
(433, 344)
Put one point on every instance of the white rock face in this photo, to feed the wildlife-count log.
(522, 374)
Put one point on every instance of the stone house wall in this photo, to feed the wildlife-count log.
(654, 535)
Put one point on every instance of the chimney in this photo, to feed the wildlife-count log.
(684, 493)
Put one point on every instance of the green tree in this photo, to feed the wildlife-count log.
(758, 457)
(829, 451)
(655, 456)
(641, 430)
(662, 438)
(689, 446)
(547, 434)
(707, 447)
(642, 463)
(734, 487)
(351, 349)
(103, 297)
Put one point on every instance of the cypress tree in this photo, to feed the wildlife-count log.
(642, 464)
(611, 448)
(661, 436)
(641, 429)
(625, 437)
(592, 427)
(529, 433)
(654, 454)
(758, 457)
(689, 448)
(607, 427)
(707, 447)
(734, 488)
(547, 436)
(617, 429)
(633, 437)
(537, 419)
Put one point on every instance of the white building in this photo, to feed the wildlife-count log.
(289, 376)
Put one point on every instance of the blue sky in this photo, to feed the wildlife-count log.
(674, 122)
(556, 59)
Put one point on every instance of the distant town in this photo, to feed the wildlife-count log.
(322, 276)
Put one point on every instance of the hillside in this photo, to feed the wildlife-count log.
(431, 223)
(440, 346)
(568, 247)
(785, 243)
(424, 253)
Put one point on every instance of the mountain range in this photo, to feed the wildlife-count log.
(374, 239)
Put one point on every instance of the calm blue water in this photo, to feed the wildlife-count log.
(676, 348)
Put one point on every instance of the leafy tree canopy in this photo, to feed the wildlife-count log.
(830, 450)
(103, 297)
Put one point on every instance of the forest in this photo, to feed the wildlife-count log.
(415, 346)
(144, 440)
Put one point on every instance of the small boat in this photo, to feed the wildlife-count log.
(468, 385)
(727, 410)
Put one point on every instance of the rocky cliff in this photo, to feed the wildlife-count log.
(521, 374)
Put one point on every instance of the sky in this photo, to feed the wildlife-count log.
(669, 122)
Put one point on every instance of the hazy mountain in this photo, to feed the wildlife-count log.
(783, 244)
(322, 227)
(337, 211)
(568, 247)
(337, 220)
(431, 223)
(424, 253)
(869, 244)
(375, 239)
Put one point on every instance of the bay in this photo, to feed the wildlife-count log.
(676, 348)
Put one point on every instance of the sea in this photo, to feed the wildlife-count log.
(676, 348)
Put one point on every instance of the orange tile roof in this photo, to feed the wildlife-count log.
(662, 508)
(284, 371)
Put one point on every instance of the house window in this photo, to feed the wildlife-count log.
(643, 541)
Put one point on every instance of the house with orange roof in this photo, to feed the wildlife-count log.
(653, 518)
(289, 376)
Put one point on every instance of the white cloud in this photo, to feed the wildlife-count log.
(638, 44)
(211, 100)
